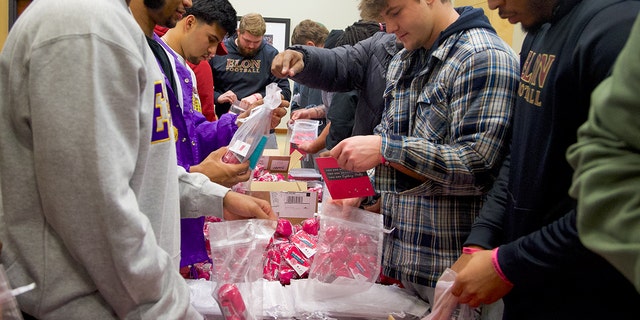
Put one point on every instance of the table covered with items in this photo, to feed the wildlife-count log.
(324, 267)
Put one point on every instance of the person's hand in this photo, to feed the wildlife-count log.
(226, 174)
(306, 113)
(325, 153)
(238, 206)
(463, 260)
(358, 153)
(278, 113)
(287, 64)
(227, 97)
(478, 282)
(311, 147)
(250, 102)
(348, 202)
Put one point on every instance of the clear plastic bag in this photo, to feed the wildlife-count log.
(254, 128)
(446, 306)
(240, 106)
(237, 252)
(349, 251)
(303, 130)
(8, 306)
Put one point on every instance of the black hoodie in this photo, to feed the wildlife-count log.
(555, 277)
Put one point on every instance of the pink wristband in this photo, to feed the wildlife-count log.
(469, 250)
(496, 266)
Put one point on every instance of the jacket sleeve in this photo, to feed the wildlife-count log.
(606, 160)
(487, 229)
(338, 69)
(199, 196)
(543, 251)
(214, 135)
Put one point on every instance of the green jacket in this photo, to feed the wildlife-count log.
(606, 160)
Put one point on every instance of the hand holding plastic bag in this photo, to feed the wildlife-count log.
(303, 131)
(254, 128)
(446, 306)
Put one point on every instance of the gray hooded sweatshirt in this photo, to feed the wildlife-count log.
(88, 173)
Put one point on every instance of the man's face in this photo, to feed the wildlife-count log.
(530, 13)
(202, 40)
(169, 14)
(248, 44)
(412, 22)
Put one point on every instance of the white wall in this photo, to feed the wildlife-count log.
(334, 14)
(518, 38)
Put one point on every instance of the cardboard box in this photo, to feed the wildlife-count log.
(273, 161)
(289, 199)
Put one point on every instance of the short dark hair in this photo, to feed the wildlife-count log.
(359, 31)
(214, 11)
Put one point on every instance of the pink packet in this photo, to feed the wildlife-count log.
(296, 259)
(231, 303)
(305, 243)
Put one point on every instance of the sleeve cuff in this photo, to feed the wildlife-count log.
(496, 266)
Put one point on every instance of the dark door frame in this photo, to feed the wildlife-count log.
(13, 12)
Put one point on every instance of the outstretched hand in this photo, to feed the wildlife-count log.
(287, 64)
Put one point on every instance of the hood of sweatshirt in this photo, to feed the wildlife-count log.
(470, 17)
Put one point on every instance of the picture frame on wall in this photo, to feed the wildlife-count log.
(278, 31)
(13, 12)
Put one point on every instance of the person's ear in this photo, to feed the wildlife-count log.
(310, 43)
(190, 22)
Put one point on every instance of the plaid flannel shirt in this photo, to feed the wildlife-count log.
(447, 118)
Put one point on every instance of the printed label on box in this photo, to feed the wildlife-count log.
(278, 164)
(294, 204)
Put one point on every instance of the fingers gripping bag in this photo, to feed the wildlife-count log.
(255, 128)
(349, 252)
(302, 130)
(446, 306)
(238, 251)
